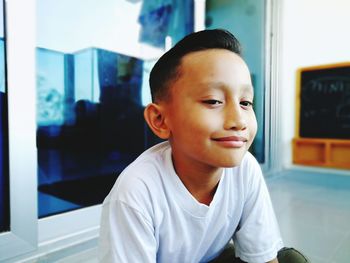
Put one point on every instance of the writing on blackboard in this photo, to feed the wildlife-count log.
(325, 103)
(335, 88)
(329, 85)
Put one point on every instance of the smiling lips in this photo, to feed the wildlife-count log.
(231, 141)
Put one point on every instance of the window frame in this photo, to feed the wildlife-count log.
(28, 235)
(19, 37)
(273, 107)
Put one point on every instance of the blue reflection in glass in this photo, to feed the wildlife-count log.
(2, 65)
(90, 125)
(4, 169)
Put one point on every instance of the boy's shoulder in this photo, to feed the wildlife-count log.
(249, 162)
(143, 173)
(152, 157)
(247, 174)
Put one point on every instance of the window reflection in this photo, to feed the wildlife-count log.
(4, 169)
(90, 125)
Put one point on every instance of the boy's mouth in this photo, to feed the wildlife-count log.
(231, 141)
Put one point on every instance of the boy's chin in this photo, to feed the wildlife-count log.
(231, 162)
(231, 165)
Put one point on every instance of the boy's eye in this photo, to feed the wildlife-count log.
(212, 102)
(246, 103)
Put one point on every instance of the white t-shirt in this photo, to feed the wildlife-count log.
(150, 216)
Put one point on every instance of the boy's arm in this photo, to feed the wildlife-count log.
(273, 261)
(125, 235)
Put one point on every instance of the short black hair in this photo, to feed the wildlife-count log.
(166, 68)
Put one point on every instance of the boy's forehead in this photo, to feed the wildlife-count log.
(207, 58)
(213, 69)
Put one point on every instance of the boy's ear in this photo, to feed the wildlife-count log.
(155, 118)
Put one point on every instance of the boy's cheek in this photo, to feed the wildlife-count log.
(254, 126)
(253, 131)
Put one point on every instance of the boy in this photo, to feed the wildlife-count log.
(183, 200)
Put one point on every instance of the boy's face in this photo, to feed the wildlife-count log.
(209, 115)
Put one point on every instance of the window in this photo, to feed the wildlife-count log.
(20, 64)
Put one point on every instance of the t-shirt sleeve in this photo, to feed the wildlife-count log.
(125, 235)
(258, 237)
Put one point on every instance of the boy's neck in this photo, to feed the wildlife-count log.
(200, 181)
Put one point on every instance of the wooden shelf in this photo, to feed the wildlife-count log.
(322, 152)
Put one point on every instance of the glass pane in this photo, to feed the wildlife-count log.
(246, 20)
(4, 168)
(92, 87)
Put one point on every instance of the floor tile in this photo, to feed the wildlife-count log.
(313, 211)
(342, 254)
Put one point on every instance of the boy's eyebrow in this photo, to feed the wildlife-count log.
(246, 88)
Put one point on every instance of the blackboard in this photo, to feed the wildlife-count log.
(324, 101)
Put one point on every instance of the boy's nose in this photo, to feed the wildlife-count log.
(234, 118)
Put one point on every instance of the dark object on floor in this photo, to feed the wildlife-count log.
(285, 255)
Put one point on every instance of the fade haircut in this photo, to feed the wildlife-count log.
(167, 70)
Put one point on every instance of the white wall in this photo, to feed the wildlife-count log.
(312, 32)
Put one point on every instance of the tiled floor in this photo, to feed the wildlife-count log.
(313, 211)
